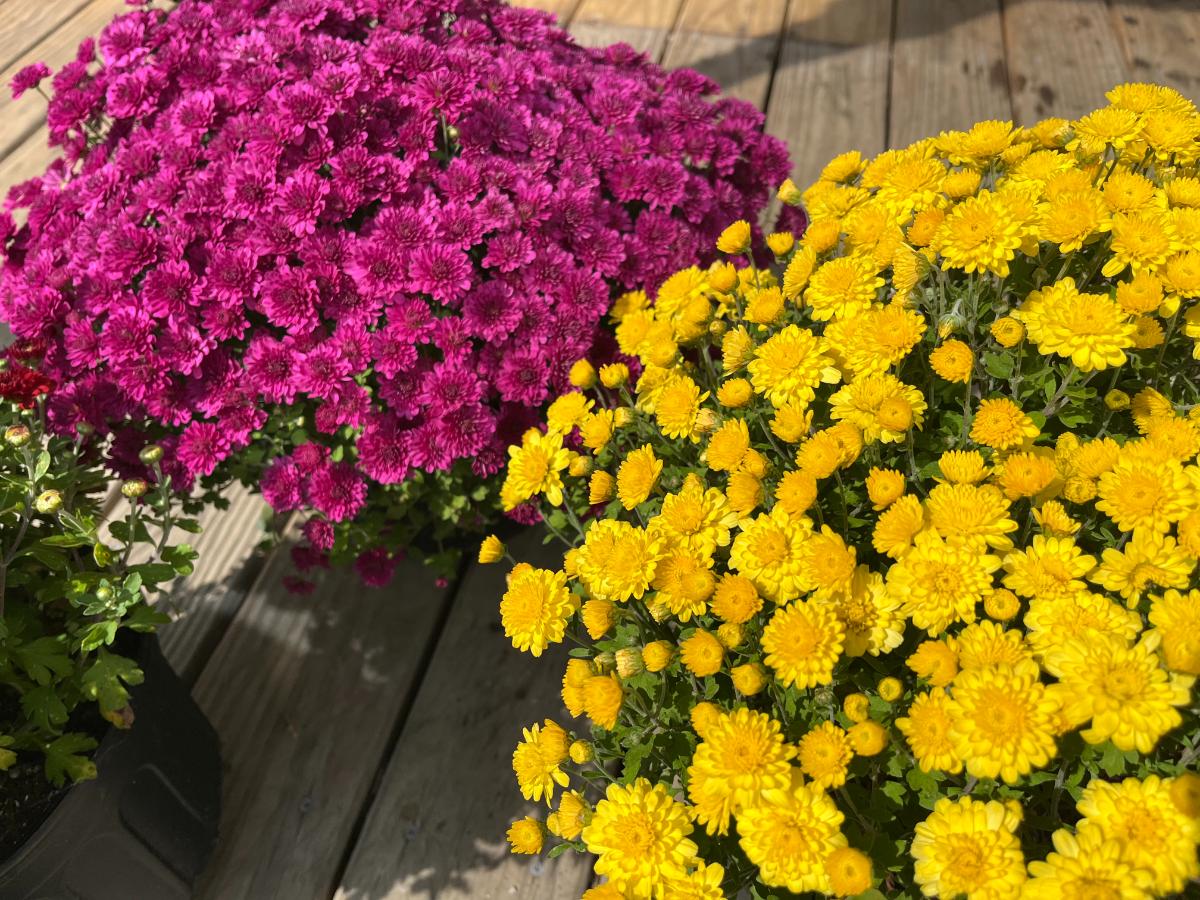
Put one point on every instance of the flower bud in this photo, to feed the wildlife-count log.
(622, 416)
(602, 487)
(790, 194)
(83, 429)
(707, 421)
(1185, 794)
(581, 752)
(452, 133)
(48, 502)
(580, 466)
(605, 662)
(868, 738)
(1116, 400)
(583, 375)
(17, 435)
(1001, 604)
(749, 679)
(857, 707)
(890, 689)
(781, 242)
(491, 550)
(151, 454)
(657, 655)
(704, 715)
(614, 375)
(949, 324)
(134, 488)
(735, 239)
(717, 328)
(104, 593)
(730, 635)
(629, 662)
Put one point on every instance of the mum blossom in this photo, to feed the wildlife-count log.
(384, 228)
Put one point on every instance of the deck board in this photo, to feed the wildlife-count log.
(24, 24)
(1062, 56)
(436, 828)
(304, 692)
(830, 91)
(1161, 42)
(642, 24)
(948, 68)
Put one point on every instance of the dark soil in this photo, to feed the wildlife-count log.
(26, 798)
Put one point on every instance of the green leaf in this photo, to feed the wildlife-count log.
(44, 708)
(43, 659)
(633, 761)
(65, 540)
(102, 554)
(42, 466)
(7, 757)
(895, 792)
(52, 559)
(191, 526)
(145, 618)
(998, 365)
(149, 574)
(105, 681)
(65, 759)
(1113, 761)
(180, 558)
(558, 850)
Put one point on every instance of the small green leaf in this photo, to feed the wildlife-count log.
(105, 681)
(42, 466)
(65, 759)
(43, 659)
(44, 708)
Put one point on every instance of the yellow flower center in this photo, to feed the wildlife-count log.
(636, 836)
(1124, 683)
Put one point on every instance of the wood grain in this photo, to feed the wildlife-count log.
(305, 692)
(436, 828)
(206, 602)
(1161, 42)
(1062, 56)
(830, 90)
(562, 9)
(642, 24)
(948, 68)
(25, 22)
(734, 43)
(21, 118)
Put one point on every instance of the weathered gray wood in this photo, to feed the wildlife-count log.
(21, 118)
(1062, 56)
(25, 22)
(28, 160)
(830, 89)
(562, 9)
(948, 68)
(304, 692)
(641, 24)
(733, 42)
(1161, 42)
(206, 602)
(436, 827)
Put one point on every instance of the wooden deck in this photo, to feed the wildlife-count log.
(367, 734)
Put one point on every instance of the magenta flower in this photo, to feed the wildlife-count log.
(28, 78)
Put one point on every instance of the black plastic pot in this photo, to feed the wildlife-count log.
(144, 829)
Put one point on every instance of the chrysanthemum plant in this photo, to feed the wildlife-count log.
(883, 574)
(73, 585)
(345, 252)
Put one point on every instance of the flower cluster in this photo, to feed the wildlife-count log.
(885, 569)
(347, 249)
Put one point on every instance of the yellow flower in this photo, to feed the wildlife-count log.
(821, 455)
(1000, 424)
(536, 761)
(582, 375)
(890, 689)
(790, 365)
(789, 834)
(614, 375)
(728, 445)
(568, 411)
(765, 306)
(1126, 694)
(936, 661)
(567, 820)
(637, 476)
(1004, 722)
(953, 361)
(768, 552)
(877, 404)
(870, 614)
(735, 239)
(962, 466)
(796, 492)
(1001, 605)
(574, 678)
(748, 678)
(618, 560)
(884, 487)
(735, 393)
(526, 836)
(677, 408)
(969, 848)
(1138, 494)
(657, 655)
(781, 242)
(927, 728)
(791, 422)
(849, 872)
(868, 738)
(825, 754)
(602, 487)
(491, 550)
(702, 883)
(965, 511)
(985, 644)
(639, 834)
(1050, 568)
(696, 519)
(596, 430)
(843, 288)
(533, 469)
(745, 493)
(1074, 219)
(857, 707)
(940, 583)
(535, 609)
(1084, 866)
(1176, 620)
(602, 699)
(827, 565)
(898, 527)
(704, 717)
(1026, 474)
(1007, 331)
(1054, 519)
(802, 643)
(702, 654)
(1154, 836)
(1141, 294)
(742, 755)
(1089, 329)
(1141, 242)
(799, 270)
(598, 617)
(981, 234)
(1185, 794)
(735, 599)
(1081, 617)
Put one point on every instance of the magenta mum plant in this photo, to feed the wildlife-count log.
(343, 250)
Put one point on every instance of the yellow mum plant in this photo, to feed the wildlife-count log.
(881, 560)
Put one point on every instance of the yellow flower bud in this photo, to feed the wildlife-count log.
(749, 678)
(735, 393)
(581, 752)
(605, 661)
(717, 328)
(134, 488)
(579, 466)
(735, 239)
(704, 715)
(622, 416)
(849, 872)
(1001, 604)
(890, 689)
(150, 454)
(1007, 331)
(857, 707)
(723, 277)
(755, 463)
(17, 435)
(702, 654)
(1117, 400)
(602, 487)
(1185, 794)
(868, 738)
(629, 662)
(526, 836)
(657, 655)
(48, 502)
(781, 242)
(583, 375)
(790, 194)
(491, 550)
(598, 617)
(614, 375)
(730, 634)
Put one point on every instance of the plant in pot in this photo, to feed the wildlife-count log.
(109, 773)
(344, 252)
